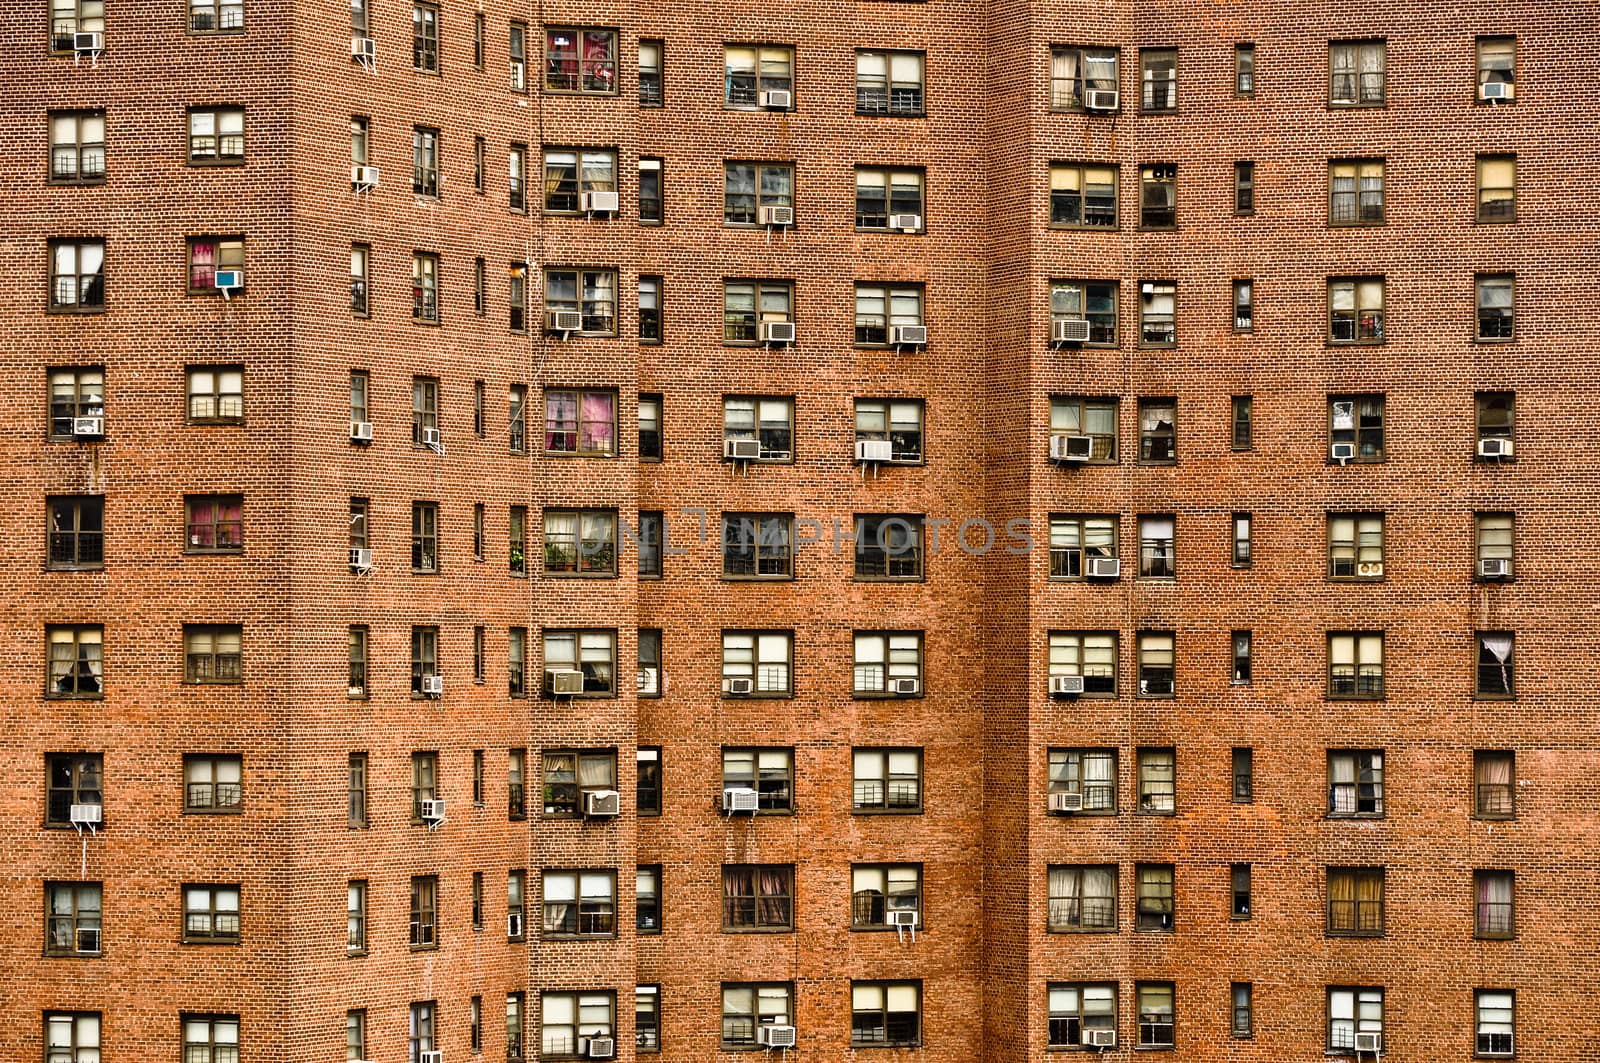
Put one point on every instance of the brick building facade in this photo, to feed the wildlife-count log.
(1209, 374)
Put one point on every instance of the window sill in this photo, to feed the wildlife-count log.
(216, 164)
(213, 812)
(1100, 813)
(886, 811)
(1156, 463)
(876, 695)
(214, 682)
(765, 695)
(1495, 937)
(1357, 934)
(1354, 815)
(884, 230)
(1480, 460)
(355, 953)
(1358, 224)
(568, 575)
(425, 948)
(209, 941)
(1495, 817)
(195, 552)
(237, 422)
(1494, 341)
(588, 695)
(1355, 579)
(758, 929)
(1081, 929)
(1355, 343)
(757, 579)
(1355, 697)
(72, 954)
(1357, 105)
(75, 568)
(579, 453)
(1495, 221)
(1357, 461)
(64, 182)
(1494, 697)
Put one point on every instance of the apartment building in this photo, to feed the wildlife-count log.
(986, 529)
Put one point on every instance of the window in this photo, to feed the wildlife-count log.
(1355, 901)
(425, 162)
(1497, 80)
(424, 410)
(647, 899)
(1156, 665)
(888, 663)
(580, 422)
(1242, 552)
(78, 147)
(1156, 1024)
(475, 1017)
(1241, 1003)
(71, 779)
(580, 904)
(1083, 196)
(885, 1014)
(1495, 533)
(1244, 70)
(1091, 773)
(76, 393)
(882, 307)
(514, 1008)
(356, 789)
(1241, 642)
(480, 33)
(1095, 418)
(1156, 547)
(1355, 782)
(897, 422)
(1355, 74)
(1153, 909)
(356, 917)
(1244, 188)
(1244, 312)
(360, 140)
(424, 656)
(359, 304)
(77, 532)
(882, 194)
(479, 163)
(589, 292)
(767, 420)
(593, 653)
(516, 681)
(212, 653)
(878, 889)
(1157, 434)
(1495, 1012)
(651, 88)
(652, 211)
(1496, 908)
(210, 1038)
(1357, 420)
(210, 914)
(580, 60)
(751, 71)
(1355, 545)
(425, 288)
(757, 546)
(748, 304)
(424, 782)
(579, 542)
(212, 784)
(424, 911)
(75, 662)
(649, 783)
(1355, 664)
(1076, 539)
(890, 83)
(517, 297)
(1242, 418)
(72, 918)
(1082, 898)
(649, 309)
(1158, 322)
(748, 187)
(425, 38)
(1495, 667)
(1352, 1011)
(747, 1005)
(1355, 192)
(650, 545)
(1495, 416)
(1092, 301)
(757, 896)
(756, 662)
(1355, 310)
(1159, 74)
(1089, 655)
(1495, 312)
(571, 774)
(478, 535)
(650, 437)
(1494, 784)
(1075, 71)
(647, 1018)
(424, 537)
(1239, 890)
(1076, 1009)
(517, 177)
(769, 772)
(421, 1030)
(570, 173)
(216, 136)
(477, 778)
(886, 780)
(516, 418)
(68, 17)
(888, 546)
(517, 52)
(77, 276)
(1497, 188)
(358, 524)
(1157, 781)
(216, 394)
(355, 1030)
(569, 1020)
(1244, 781)
(214, 524)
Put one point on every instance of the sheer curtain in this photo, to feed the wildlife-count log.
(1066, 898)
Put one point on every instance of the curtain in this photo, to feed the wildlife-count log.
(1494, 771)
(560, 419)
(1065, 896)
(1499, 647)
(560, 893)
(594, 772)
(774, 897)
(598, 421)
(1369, 897)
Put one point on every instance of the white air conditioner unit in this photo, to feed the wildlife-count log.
(1487, 448)
(1369, 1042)
(738, 686)
(360, 431)
(906, 223)
(88, 940)
(775, 217)
(364, 176)
(602, 804)
(360, 558)
(602, 1047)
(89, 815)
(905, 686)
(1494, 568)
(776, 99)
(1105, 568)
(599, 202)
(777, 332)
(1102, 100)
(1070, 330)
(563, 321)
(1342, 452)
(88, 426)
(740, 799)
(908, 336)
(430, 437)
(363, 48)
(874, 450)
(563, 681)
(902, 917)
(229, 279)
(741, 449)
(1066, 684)
(776, 1036)
(431, 809)
(1099, 1038)
(89, 42)
(513, 924)
(430, 1057)
(1065, 802)
(433, 685)
(1071, 448)
(1370, 569)
(1494, 90)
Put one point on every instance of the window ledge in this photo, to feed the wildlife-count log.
(758, 929)
(886, 811)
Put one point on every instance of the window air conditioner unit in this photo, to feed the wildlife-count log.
(1071, 448)
(741, 449)
(361, 558)
(1065, 802)
(902, 917)
(598, 202)
(777, 332)
(776, 217)
(1494, 90)
(360, 431)
(513, 924)
(740, 799)
(1070, 330)
(89, 42)
(1066, 684)
(1487, 448)
(430, 437)
(431, 809)
(905, 686)
(1494, 568)
(906, 223)
(364, 176)
(1370, 568)
(89, 815)
(1342, 451)
(563, 681)
(88, 940)
(602, 803)
(738, 686)
(1101, 100)
(229, 279)
(433, 685)
(88, 426)
(1369, 1042)
(775, 1036)
(908, 336)
(602, 1047)
(1100, 1038)
(1105, 568)
(874, 450)
(430, 1057)
(777, 99)
(363, 48)
(563, 321)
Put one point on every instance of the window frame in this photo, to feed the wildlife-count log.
(735, 218)
(862, 1033)
(1158, 181)
(876, 536)
(213, 1022)
(1368, 440)
(578, 183)
(424, 918)
(1356, 208)
(88, 294)
(769, 911)
(554, 788)
(1244, 70)
(1484, 214)
(192, 635)
(581, 428)
(1061, 203)
(1149, 782)
(1485, 917)
(1483, 804)
(1359, 95)
(1064, 1029)
(782, 992)
(1149, 83)
(1065, 773)
(769, 562)
(1370, 686)
(219, 398)
(772, 776)
(70, 545)
(760, 427)
(886, 781)
(1350, 560)
(85, 780)
(596, 911)
(214, 913)
(219, 156)
(1359, 920)
(1153, 1033)
(760, 81)
(587, 71)
(1478, 1023)
(1071, 649)
(1488, 661)
(889, 175)
(869, 909)
(584, 280)
(586, 561)
(219, 505)
(1486, 74)
(898, 440)
(594, 684)
(1074, 911)
(581, 1030)
(758, 663)
(217, 804)
(1152, 332)
(87, 399)
(912, 101)
(1071, 98)
(82, 151)
(1356, 993)
(71, 909)
(1495, 324)
(887, 640)
(1363, 762)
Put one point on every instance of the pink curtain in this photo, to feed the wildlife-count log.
(201, 526)
(203, 265)
(560, 421)
(598, 423)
